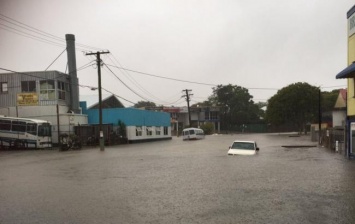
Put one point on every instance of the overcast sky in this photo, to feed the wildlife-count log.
(260, 45)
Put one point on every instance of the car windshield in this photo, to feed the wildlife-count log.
(243, 145)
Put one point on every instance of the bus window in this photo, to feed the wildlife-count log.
(44, 130)
(192, 132)
(31, 128)
(19, 126)
(5, 125)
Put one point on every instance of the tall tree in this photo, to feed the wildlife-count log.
(141, 104)
(237, 106)
(329, 99)
(295, 104)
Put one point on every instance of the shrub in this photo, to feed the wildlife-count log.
(208, 128)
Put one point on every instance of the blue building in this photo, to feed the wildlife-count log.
(141, 125)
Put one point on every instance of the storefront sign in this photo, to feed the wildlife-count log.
(27, 99)
(171, 109)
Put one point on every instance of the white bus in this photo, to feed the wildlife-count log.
(18, 132)
(193, 134)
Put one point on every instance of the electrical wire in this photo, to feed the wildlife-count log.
(93, 88)
(125, 73)
(35, 38)
(162, 77)
(135, 91)
(125, 84)
(180, 80)
(21, 25)
(55, 59)
(129, 77)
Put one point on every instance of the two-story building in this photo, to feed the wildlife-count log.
(46, 95)
(199, 115)
(349, 74)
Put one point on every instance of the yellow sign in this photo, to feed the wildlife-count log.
(27, 99)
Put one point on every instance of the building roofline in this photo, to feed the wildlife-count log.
(350, 12)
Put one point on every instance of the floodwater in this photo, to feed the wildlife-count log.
(179, 181)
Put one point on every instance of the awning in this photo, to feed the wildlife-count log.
(348, 72)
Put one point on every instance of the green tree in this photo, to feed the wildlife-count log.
(236, 105)
(329, 99)
(295, 104)
(141, 104)
(122, 131)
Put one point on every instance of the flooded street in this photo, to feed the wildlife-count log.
(179, 181)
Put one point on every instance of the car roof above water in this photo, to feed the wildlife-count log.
(244, 141)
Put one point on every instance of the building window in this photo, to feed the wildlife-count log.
(211, 115)
(28, 86)
(214, 115)
(138, 131)
(157, 131)
(3, 87)
(149, 131)
(47, 90)
(165, 130)
(61, 90)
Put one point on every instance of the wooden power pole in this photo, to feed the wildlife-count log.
(98, 61)
(187, 97)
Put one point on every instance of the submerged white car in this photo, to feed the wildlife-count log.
(243, 148)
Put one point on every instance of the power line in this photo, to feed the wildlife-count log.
(181, 80)
(34, 37)
(134, 82)
(125, 84)
(144, 98)
(39, 32)
(55, 59)
(162, 77)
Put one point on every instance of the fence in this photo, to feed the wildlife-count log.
(90, 134)
(331, 138)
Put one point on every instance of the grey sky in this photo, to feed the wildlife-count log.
(254, 44)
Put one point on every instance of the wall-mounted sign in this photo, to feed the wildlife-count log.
(27, 99)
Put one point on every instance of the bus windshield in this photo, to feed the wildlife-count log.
(44, 130)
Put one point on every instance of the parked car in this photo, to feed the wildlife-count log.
(243, 148)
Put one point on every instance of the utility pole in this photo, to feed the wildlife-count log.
(319, 116)
(98, 61)
(187, 97)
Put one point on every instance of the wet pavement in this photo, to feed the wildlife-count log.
(179, 181)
